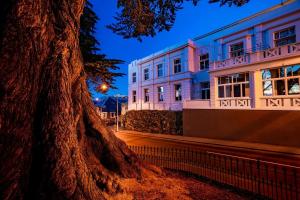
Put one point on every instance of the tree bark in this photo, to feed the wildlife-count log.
(52, 143)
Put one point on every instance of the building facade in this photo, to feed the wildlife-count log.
(253, 63)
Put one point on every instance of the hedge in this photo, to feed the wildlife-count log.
(153, 121)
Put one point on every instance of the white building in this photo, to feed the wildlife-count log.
(253, 63)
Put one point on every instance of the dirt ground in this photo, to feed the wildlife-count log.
(172, 186)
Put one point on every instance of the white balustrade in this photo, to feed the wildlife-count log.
(281, 102)
(238, 102)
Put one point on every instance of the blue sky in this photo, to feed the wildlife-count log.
(191, 21)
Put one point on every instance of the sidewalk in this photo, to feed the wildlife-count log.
(285, 150)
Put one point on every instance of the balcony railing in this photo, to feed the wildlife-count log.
(258, 56)
(236, 102)
(280, 102)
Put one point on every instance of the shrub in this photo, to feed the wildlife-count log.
(153, 121)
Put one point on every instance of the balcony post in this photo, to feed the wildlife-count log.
(256, 91)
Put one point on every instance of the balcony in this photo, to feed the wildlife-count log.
(281, 102)
(258, 56)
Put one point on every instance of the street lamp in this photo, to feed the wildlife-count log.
(103, 88)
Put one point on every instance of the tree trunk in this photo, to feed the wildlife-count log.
(52, 143)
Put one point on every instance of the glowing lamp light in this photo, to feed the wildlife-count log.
(103, 88)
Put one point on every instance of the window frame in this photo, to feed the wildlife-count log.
(231, 81)
(204, 61)
(236, 52)
(276, 40)
(134, 77)
(179, 97)
(133, 96)
(273, 81)
(162, 70)
(160, 94)
(206, 90)
(146, 97)
(148, 74)
(177, 66)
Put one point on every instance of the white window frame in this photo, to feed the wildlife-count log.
(204, 62)
(178, 97)
(177, 66)
(134, 77)
(148, 74)
(160, 93)
(161, 69)
(238, 52)
(275, 40)
(206, 90)
(285, 78)
(231, 85)
(146, 95)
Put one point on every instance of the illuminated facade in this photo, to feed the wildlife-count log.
(253, 63)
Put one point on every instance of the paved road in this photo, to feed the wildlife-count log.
(282, 156)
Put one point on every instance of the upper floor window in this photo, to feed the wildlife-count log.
(146, 74)
(133, 77)
(177, 65)
(237, 49)
(133, 96)
(204, 61)
(178, 95)
(281, 81)
(205, 90)
(285, 36)
(235, 85)
(146, 95)
(159, 70)
(160, 91)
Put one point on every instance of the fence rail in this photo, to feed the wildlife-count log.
(272, 180)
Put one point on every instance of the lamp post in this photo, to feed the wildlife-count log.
(117, 117)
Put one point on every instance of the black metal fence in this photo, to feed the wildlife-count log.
(272, 180)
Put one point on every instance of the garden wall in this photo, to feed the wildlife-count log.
(275, 127)
(153, 121)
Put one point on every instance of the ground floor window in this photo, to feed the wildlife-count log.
(133, 96)
(235, 85)
(160, 91)
(178, 95)
(146, 95)
(205, 90)
(281, 81)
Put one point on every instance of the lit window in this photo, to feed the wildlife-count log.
(134, 77)
(178, 96)
(204, 61)
(146, 95)
(237, 49)
(133, 96)
(159, 70)
(285, 36)
(146, 74)
(205, 90)
(281, 81)
(177, 65)
(160, 91)
(235, 85)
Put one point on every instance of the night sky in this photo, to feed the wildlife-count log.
(190, 22)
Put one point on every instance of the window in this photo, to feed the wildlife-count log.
(281, 81)
(204, 61)
(146, 95)
(205, 90)
(235, 85)
(285, 36)
(178, 96)
(133, 77)
(146, 74)
(177, 65)
(237, 49)
(133, 96)
(160, 91)
(159, 70)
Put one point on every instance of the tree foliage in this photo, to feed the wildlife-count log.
(142, 18)
(98, 67)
